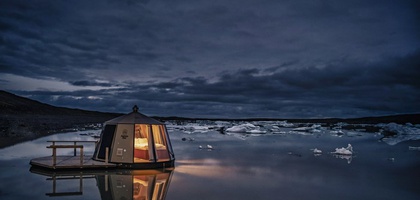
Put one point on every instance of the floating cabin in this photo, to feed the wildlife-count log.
(135, 141)
(131, 141)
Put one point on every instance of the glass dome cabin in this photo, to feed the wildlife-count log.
(135, 141)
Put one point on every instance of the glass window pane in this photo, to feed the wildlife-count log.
(141, 141)
(160, 142)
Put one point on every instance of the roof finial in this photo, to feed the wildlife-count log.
(135, 108)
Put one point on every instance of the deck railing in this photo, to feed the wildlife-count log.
(74, 146)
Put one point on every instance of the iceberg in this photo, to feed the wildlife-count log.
(395, 133)
(246, 128)
(344, 151)
(285, 124)
(241, 128)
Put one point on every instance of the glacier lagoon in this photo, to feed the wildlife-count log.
(247, 160)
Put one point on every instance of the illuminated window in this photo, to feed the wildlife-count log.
(141, 143)
(160, 142)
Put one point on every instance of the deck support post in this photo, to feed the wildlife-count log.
(81, 156)
(106, 182)
(54, 150)
(74, 150)
(106, 154)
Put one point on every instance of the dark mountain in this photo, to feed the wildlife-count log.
(11, 104)
(22, 118)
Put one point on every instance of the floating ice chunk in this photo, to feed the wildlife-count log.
(344, 151)
(317, 151)
(337, 132)
(300, 132)
(246, 128)
(302, 129)
(313, 128)
(350, 148)
(255, 131)
(396, 133)
(414, 148)
(241, 128)
(240, 136)
(208, 147)
(285, 124)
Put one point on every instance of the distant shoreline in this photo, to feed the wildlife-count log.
(30, 131)
(24, 119)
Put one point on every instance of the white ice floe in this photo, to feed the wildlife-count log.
(284, 124)
(190, 128)
(317, 151)
(246, 128)
(341, 133)
(303, 129)
(256, 131)
(242, 128)
(338, 133)
(312, 129)
(414, 148)
(344, 151)
(209, 147)
(402, 132)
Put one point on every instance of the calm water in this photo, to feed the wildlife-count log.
(278, 166)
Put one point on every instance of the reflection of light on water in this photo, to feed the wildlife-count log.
(211, 168)
(202, 168)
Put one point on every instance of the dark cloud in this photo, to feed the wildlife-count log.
(215, 58)
(332, 91)
(90, 83)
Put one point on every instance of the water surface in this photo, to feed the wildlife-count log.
(239, 166)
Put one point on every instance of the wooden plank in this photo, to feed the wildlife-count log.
(58, 194)
(70, 162)
(72, 141)
(65, 146)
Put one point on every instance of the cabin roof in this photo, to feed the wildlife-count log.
(133, 118)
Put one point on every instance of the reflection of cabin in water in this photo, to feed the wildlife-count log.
(135, 141)
(116, 184)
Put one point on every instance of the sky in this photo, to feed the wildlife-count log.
(215, 59)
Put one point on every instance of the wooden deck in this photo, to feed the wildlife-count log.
(70, 162)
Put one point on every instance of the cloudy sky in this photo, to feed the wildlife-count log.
(219, 58)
